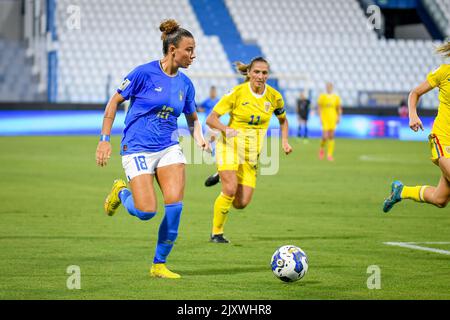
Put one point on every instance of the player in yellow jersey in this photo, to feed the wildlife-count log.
(330, 111)
(439, 140)
(250, 106)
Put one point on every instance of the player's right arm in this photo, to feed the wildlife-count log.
(104, 147)
(319, 106)
(214, 123)
(432, 81)
(225, 105)
(338, 109)
(131, 85)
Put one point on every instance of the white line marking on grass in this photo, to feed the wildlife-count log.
(413, 245)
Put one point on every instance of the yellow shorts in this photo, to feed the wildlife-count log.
(439, 147)
(329, 123)
(227, 158)
(246, 173)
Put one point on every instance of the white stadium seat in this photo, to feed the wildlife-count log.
(313, 40)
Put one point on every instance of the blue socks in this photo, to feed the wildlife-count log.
(127, 201)
(168, 231)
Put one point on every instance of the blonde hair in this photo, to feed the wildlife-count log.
(244, 69)
(444, 49)
(172, 34)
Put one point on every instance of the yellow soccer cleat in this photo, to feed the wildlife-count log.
(112, 201)
(159, 270)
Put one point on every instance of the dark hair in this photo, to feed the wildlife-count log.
(172, 34)
(245, 68)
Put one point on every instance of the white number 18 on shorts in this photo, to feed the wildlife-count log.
(146, 162)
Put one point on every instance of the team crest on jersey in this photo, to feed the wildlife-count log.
(124, 84)
(180, 95)
(267, 106)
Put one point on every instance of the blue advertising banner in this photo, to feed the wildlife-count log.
(13, 123)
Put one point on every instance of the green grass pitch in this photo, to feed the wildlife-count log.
(51, 217)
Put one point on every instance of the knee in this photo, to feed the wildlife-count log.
(145, 207)
(441, 203)
(145, 211)
(173, 196)
(229, 190)
(145, 215)
(239, 204)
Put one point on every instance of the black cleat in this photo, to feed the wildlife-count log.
(212, 180)
(218, 238)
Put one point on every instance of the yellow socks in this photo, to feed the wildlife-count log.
(323, 143)
(414, 193)
(330, 149)
(221, 207)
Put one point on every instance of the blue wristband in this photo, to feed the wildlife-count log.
(105, 137)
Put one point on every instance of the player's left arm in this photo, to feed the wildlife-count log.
(194, 125)
(280, 112)
(285, 134)
(339, 110)
(195, 128)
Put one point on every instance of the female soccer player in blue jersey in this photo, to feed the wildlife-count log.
(158, 94)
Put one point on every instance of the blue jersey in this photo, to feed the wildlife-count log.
(209, 104)
(156, 102)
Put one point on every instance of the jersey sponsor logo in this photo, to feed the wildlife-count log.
(159, 89)
(124, 84)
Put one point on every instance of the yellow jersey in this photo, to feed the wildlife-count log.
(441, 78)
(250, 115)
(329, 104)
(249, 110)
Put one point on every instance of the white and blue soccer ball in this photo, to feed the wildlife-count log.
(289, 263)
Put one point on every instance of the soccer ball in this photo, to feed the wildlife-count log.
(289, 263)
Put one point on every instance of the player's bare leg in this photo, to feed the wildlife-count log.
(243, 196)
(440, 195)
(172, 179)
(144, 195)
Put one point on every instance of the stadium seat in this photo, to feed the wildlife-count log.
(341, 39)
